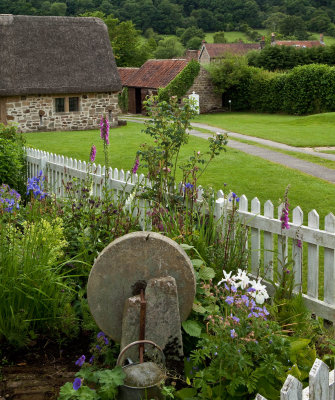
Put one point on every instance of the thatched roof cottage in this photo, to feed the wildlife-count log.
(56, 73)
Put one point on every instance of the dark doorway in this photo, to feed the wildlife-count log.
(138, 100)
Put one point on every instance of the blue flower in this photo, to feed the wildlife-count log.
(76, 384)
(80, 361)
(229, 300)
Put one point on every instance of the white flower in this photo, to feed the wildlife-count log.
(226, 278)
(243, 279)
(260, 294)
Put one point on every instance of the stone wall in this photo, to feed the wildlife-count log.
(204, 56)
(37, 113)
(204, 87)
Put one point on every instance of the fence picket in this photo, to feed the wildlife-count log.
(282, 244)
(297, 249)
(268, 243)
(319, 381)
(292, 389)
(255, 239)
(329, 263)
(313, 258)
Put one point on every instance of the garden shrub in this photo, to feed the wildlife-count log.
(12, 158)
(123, 100)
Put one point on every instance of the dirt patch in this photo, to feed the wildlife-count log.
(37, 372)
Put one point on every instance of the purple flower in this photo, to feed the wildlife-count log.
(98, 347)
(233, 289)
(136, 165)
(106, 340)
(236, 319)
(76, 384)
(100, 334)
(93, 153)
(233, 334)
(80, 361)
(229, 300)
(91, 360)
(299, 243)
(188, 186)
(104, 130)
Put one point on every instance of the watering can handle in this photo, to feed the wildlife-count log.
(134, 344)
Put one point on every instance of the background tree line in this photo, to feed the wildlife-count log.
(290, 17)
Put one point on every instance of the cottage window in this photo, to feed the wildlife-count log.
(60, 104)
(66, 104)
(73, 103)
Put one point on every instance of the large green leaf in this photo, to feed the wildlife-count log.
(186, 394)
(192, 328)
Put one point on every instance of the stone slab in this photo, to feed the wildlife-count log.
(162, 323)
(138, 256)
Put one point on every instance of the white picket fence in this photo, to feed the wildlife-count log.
(265, 228)
(321, 385)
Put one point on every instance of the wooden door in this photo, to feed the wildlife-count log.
(3, 113)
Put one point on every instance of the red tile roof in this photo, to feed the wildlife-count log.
(155, 74)
(126, 72)
(298, 43)
(216, 50)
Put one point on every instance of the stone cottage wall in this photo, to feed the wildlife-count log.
(37, 113)
(204, 87)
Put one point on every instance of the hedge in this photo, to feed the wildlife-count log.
(305, 89)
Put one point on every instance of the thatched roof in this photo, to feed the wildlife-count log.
(40, 55)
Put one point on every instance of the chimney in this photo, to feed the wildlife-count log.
(262, 43)
(321, 39)
(273, 38)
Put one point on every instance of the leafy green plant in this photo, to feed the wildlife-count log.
(12, 158)
(181, 83)
(35, 291)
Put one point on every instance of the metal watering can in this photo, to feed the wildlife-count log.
(143, 380)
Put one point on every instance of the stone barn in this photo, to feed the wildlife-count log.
(155, 74)
(56, 73)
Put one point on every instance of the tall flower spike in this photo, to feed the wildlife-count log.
(104, 130)
(93, 153)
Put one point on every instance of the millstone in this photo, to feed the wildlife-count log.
(136, 257)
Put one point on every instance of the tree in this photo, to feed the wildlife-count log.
(191, 32)
(194, 43)
(219, 37)
(293, 26)
(58, 9)
(169, 48)
(125, 40)
(274, 20)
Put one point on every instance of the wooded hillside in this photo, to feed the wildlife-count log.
(289, 17)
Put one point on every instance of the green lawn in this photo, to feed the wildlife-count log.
(307, 131)
(244, 174)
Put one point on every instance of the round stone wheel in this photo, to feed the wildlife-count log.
(138, 256)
